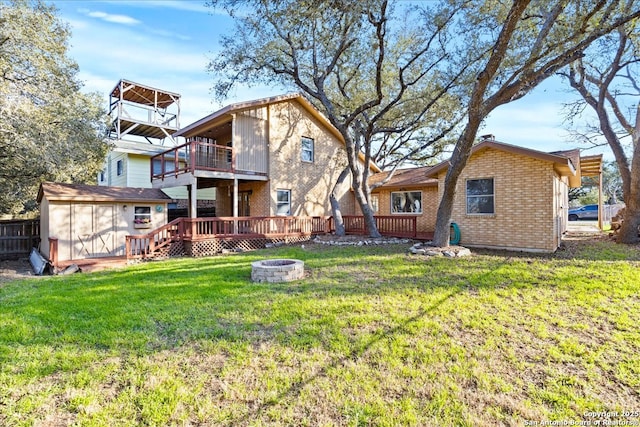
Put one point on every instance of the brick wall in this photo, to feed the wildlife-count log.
(524, 215)
(426, 221)
(310, 182)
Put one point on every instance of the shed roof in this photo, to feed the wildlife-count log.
(56, 191)
(143, 94)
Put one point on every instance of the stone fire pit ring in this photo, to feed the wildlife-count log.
(277, 270)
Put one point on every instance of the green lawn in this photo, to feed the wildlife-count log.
(372, 336)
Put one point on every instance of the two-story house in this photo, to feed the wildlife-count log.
(268, 157)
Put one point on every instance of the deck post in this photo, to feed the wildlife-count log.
(600, 207)
(235, 205)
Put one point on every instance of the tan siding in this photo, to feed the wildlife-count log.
(44, 227)
(524, 192)
(89, 229)
(250, 141)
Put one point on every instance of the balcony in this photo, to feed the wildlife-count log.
(198, 154)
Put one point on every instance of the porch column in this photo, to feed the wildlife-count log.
(235, 205)
(600, 207)
(192, 190)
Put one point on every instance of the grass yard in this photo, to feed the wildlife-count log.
(372, 336)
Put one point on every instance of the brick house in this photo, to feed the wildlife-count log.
(507, 197)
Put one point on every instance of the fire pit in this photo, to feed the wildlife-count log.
(277, 270)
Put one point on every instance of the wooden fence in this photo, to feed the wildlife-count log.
(17, 237)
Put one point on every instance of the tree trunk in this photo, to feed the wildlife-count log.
(457, 162)
(357, 184)
(335, 204)
(628, 232)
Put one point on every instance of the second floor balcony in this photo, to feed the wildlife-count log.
(198, 154)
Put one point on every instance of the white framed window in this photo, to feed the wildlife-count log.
(307, 149)
(142, 215)
(480, 196)
(103, 175)
(406, 202)
(283, 202)
(120, 167)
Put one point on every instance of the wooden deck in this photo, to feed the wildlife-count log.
(199, 235)
(208, 236)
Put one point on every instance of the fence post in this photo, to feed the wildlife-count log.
(415, 226)
(53, 251)
(127, 247)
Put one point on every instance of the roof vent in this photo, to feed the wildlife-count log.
(488, 137)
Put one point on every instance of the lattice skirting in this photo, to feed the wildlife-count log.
(216, 246)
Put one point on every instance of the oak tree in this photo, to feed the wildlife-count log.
(526, 42)
(607, 80)
(386, 78)
(49, 129)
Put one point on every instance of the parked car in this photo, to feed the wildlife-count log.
(584, 212)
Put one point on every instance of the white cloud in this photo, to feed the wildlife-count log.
(190, 6)
(116, 19)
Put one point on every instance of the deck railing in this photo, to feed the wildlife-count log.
(197, 154)
(142, 246)
(194, 229)
(389, 225)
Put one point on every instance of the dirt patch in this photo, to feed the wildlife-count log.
(15, 269)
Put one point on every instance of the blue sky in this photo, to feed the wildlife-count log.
(168, 44)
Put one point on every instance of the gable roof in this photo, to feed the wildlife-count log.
(561, 163)
(224, 113)
(56, 191)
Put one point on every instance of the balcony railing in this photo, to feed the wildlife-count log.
(198, 154)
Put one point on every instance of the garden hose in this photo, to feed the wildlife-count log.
(454, 234)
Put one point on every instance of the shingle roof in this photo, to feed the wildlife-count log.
(404, 178)
(97, 193)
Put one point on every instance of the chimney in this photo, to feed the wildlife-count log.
(488, 137)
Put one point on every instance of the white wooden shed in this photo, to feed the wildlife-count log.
(91, 221)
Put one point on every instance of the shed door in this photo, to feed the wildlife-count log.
(104, 231)
(92, 231)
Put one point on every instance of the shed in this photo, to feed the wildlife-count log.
(91, 221)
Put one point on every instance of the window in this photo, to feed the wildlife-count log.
(480, 196)
(169, 166)
(102, 176)
(142, 215)
(283, 202)
(307, 149)
(406, 202)
(120, 167)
